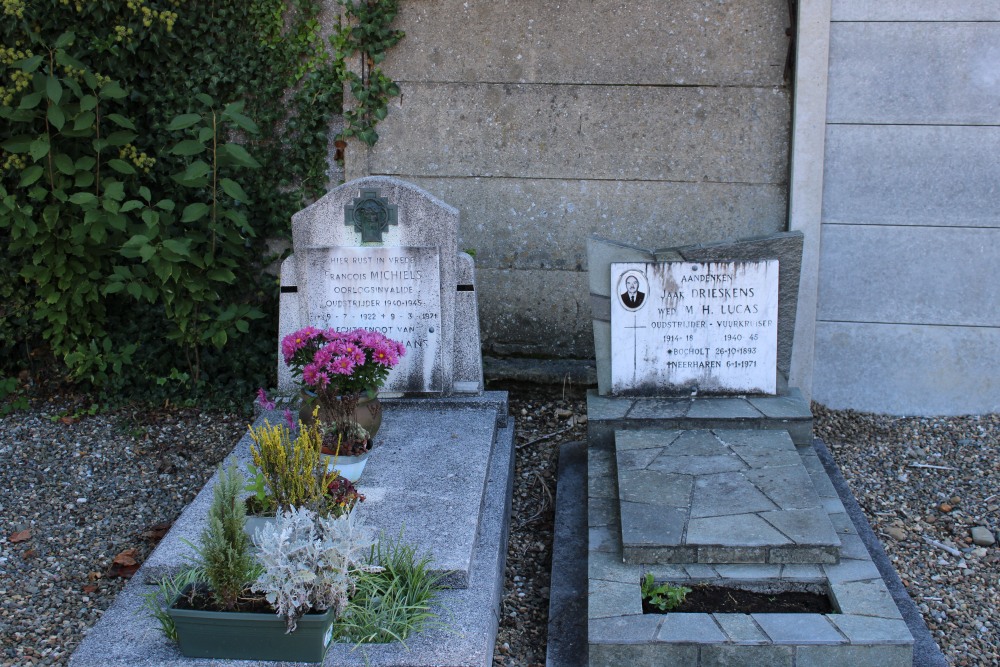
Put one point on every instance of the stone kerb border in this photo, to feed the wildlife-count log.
(869, 630)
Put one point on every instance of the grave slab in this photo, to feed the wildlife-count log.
(128, 637)
(454, 440)
(698, 490)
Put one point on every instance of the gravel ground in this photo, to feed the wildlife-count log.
(78, 490)
(924, 484)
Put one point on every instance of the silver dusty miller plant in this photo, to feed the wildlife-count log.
(310, 561)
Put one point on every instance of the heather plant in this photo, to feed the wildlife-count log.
(310, 561)
(292, 469)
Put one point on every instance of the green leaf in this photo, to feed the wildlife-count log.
(234, 190)
(18, 144)
(120, 121)
(242, 326)
(29, 64)
(84, 121)
(112, 91)
(183, 121)
(220, 338)
(39, 148)
(120, 138)
(205, 99)
(64, 163)
(194, 174)
(194, 212)
(114, 190)
(88, 103)
(147, 252)
(53, 90)
(165, 204)
(238, 155)
(81, 198)
(221, 275)
(145, 193)
(137, 241)
(56, 116)
(64, 40)
(114, 288)
(67, 60)
(30, 101)
(182, 248)
(134, 290)
(84, 179)
(188, 147)
(30, 175)
(121, 166)
(130, 205)
(86, 162)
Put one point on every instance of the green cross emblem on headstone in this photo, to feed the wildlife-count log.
(371, 215)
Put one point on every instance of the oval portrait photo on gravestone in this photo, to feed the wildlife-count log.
(632, 289)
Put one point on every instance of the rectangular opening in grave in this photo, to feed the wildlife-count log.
(743, 598)
(705, 327)
(394, 290)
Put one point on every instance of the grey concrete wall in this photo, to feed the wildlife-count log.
(907, 317)
(658, 124)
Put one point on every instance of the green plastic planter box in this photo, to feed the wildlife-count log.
(250, 636)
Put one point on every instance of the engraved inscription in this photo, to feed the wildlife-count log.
(394, 290)
(709, 327)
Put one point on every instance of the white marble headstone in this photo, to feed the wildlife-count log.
(679, 327)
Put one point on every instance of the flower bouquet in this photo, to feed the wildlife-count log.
(338, 372)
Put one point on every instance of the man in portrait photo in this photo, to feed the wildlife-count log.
(632, 297)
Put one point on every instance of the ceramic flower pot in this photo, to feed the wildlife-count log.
(368, 412)
(349, 467)
(251, 636)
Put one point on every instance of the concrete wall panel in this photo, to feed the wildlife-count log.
(916, 10)
(912, 175)
(595, 132)
(543, 224)
(919, 275)
(543, 313)
(689, 42)
(906, 369)
(914, 73)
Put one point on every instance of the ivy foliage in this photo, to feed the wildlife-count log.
(369, 34)
(148, 150)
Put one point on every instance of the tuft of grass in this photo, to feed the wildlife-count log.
(394, 603)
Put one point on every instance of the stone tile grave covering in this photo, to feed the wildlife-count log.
(722, 496)
(706, 477)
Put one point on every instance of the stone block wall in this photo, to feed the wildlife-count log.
(646, 122)
(908, 314)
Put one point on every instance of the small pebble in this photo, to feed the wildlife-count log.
(983, 536)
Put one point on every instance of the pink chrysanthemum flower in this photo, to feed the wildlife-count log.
(342, 365)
